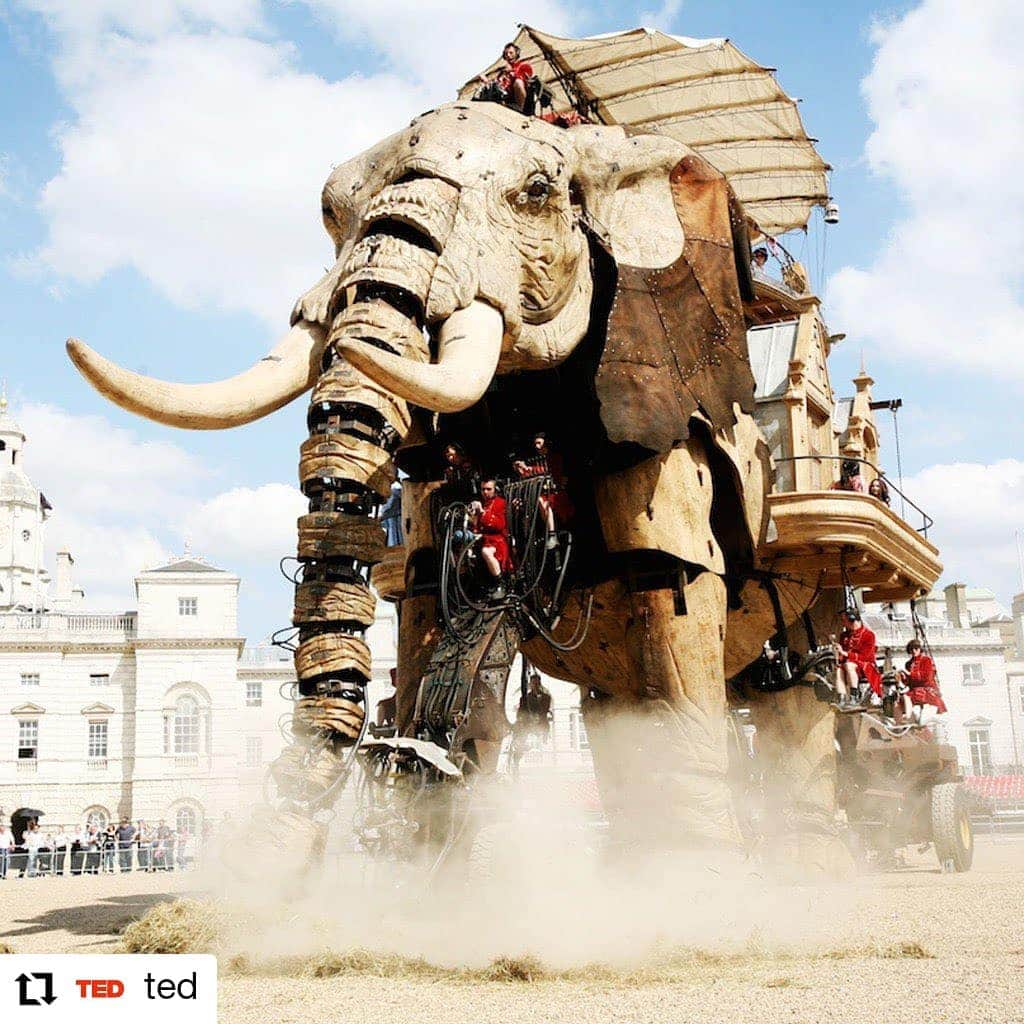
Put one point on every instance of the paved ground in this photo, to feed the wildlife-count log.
(972, 927)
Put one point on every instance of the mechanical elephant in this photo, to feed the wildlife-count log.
(491, 266)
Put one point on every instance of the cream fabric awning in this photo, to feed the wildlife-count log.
(703, 92)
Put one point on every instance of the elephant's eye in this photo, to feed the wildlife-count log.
(535, 192)
(538, 188)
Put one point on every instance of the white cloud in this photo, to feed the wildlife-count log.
(249, 524)
(107, 473)
(83, 19)
(663, 17)
(441, 43)
(946, 94)
(976, 508)
(123, 504)
(198, 148)
(198, 161)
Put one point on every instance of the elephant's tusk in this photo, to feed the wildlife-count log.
(283, 374)
(469, 345)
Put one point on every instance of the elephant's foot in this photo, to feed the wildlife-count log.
(656, 797)
(661, 749)
(809, 856)
(797, 761)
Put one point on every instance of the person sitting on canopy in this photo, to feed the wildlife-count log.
(544, 460)
(851, 478)
(490, 520)
(855, 660)
(508, 85)
(921, 681)
(759, 258)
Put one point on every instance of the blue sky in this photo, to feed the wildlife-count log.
(160, 168)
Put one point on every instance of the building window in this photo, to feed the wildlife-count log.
(578, 739)
(97, 739)
(186, 821)
(186, 726)
(973, 674)
(188, 605)
(28, 739)
(981, 751)
(253, 751)
(98, 679)
(29, 678)
(1022, 698)
(253, 695)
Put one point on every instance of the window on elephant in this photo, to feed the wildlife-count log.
(981, 751)
(98, 739)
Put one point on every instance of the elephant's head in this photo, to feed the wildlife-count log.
(462, 251)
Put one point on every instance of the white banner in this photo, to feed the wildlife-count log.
(108, 989)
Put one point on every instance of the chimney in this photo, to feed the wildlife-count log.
(1018, 625)
(63, 592)
(956, 606)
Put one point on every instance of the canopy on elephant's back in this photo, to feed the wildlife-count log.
(704, 92)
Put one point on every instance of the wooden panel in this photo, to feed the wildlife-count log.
(330, 654)
(337, 535)
(341, 456)
(319, 601)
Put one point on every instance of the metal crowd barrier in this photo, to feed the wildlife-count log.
(18, 862)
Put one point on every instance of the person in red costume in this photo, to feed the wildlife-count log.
(921, 680)
(512, 78)
(856, 660)
(491, 521)
(555, 503)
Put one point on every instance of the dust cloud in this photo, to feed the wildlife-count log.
(536, 881)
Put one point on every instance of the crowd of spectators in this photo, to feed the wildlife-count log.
(94, 849)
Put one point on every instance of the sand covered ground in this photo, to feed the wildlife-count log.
(913, 946)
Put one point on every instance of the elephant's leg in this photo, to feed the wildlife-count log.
(661, 750)
(418, 632)
(797, 756)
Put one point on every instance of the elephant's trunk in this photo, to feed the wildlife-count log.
(375, 348)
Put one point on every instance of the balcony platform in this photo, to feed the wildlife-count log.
(820, 530)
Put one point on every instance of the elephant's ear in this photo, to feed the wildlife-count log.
(676, 343)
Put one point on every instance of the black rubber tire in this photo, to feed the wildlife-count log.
(952, 833)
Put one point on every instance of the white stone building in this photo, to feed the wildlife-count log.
(983, 690)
